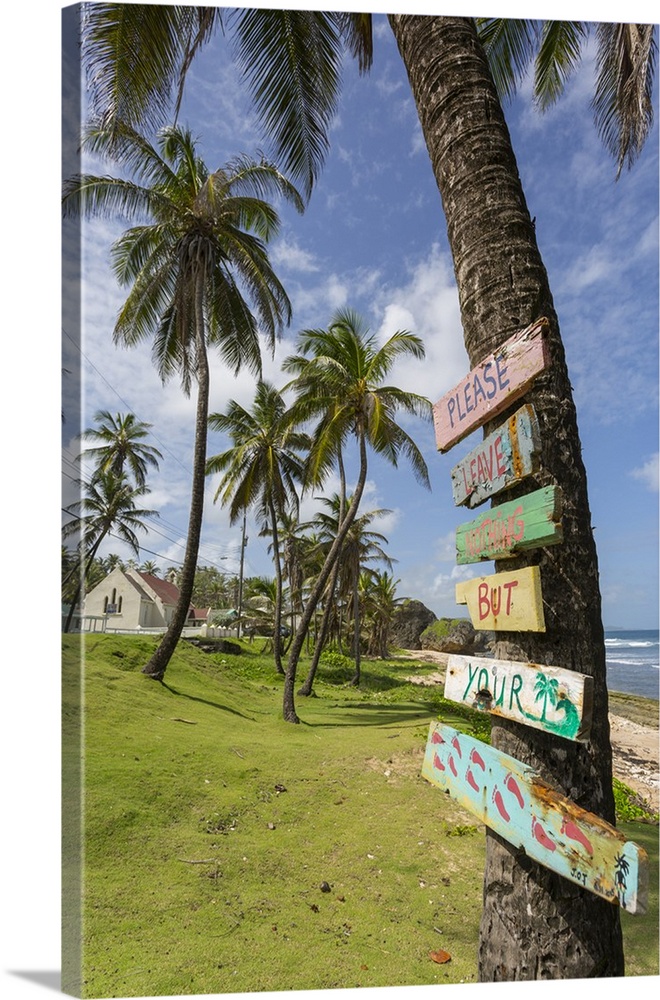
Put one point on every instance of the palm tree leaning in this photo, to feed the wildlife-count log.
(261, 469)
(339, 383)
(361, 545)
(120, 444)
(108, 503)
(203, 242)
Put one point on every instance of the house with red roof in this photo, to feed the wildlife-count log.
(131, 600)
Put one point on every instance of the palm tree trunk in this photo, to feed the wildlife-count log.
(277, 638)
(306, 689)
(319, 644)
(535, 925)
(83, 577)
(158, 663)
(289, 709)
(356, 621)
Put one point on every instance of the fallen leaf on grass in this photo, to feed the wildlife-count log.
(440, 956)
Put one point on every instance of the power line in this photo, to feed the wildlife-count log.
(121, 398)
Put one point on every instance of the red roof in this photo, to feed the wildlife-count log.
(169, 593)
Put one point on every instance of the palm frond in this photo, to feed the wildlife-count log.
(509, 44)
(559, 54)
(623, 109)
(291, 60)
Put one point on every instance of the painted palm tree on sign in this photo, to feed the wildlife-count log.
(340, 386)
(262, 469)
(196, 268)
(120, 445)
(546, 691)
(108, 504)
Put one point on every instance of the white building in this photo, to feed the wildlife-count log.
(134, 600)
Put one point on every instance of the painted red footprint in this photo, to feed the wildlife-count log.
(512, 786)
(452, 766)
(437, 763)
(499, 804)
(541, 836)
(477, 759)
(457, 747)
(574, 832)
(469, 777)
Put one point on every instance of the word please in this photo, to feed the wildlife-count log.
(466, 398)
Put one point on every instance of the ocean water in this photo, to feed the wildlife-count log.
(633, 661)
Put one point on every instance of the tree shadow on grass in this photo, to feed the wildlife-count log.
(369, 714)
(205, 701)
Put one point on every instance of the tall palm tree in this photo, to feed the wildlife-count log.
(502, 287)
(189, 268)
(361, 546)
(378, 595)
(120, 444)
(108, 503)
(339, 383)
(261, 469)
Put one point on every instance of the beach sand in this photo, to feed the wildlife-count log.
(635, 748)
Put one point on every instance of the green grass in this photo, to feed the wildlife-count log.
(211, 825)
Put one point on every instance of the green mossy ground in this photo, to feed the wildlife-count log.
(210, 826)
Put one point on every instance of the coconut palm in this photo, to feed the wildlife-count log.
(261, 469)
(150, 567)
(108, 503)
(120, 445)
(361, 546)
(339, 383)
(379, 601)
(195, 269)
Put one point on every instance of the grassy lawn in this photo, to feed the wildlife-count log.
(227, 851)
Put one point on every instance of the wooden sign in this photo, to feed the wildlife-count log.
(549, 698)
(503, 458)
(512, 799)
(492, 386)
(504, 601)
(527, 523)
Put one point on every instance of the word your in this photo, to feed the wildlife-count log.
(550, 698)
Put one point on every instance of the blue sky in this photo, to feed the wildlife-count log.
(373, 239)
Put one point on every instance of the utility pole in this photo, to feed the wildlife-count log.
(244, 542)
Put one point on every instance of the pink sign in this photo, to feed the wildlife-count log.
(492, 386)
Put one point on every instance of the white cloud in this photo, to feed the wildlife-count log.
(286, 253)
(427, 305)
(649, 473)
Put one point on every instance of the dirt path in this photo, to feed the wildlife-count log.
(635, 748)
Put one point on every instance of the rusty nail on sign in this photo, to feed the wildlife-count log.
(492, 386)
